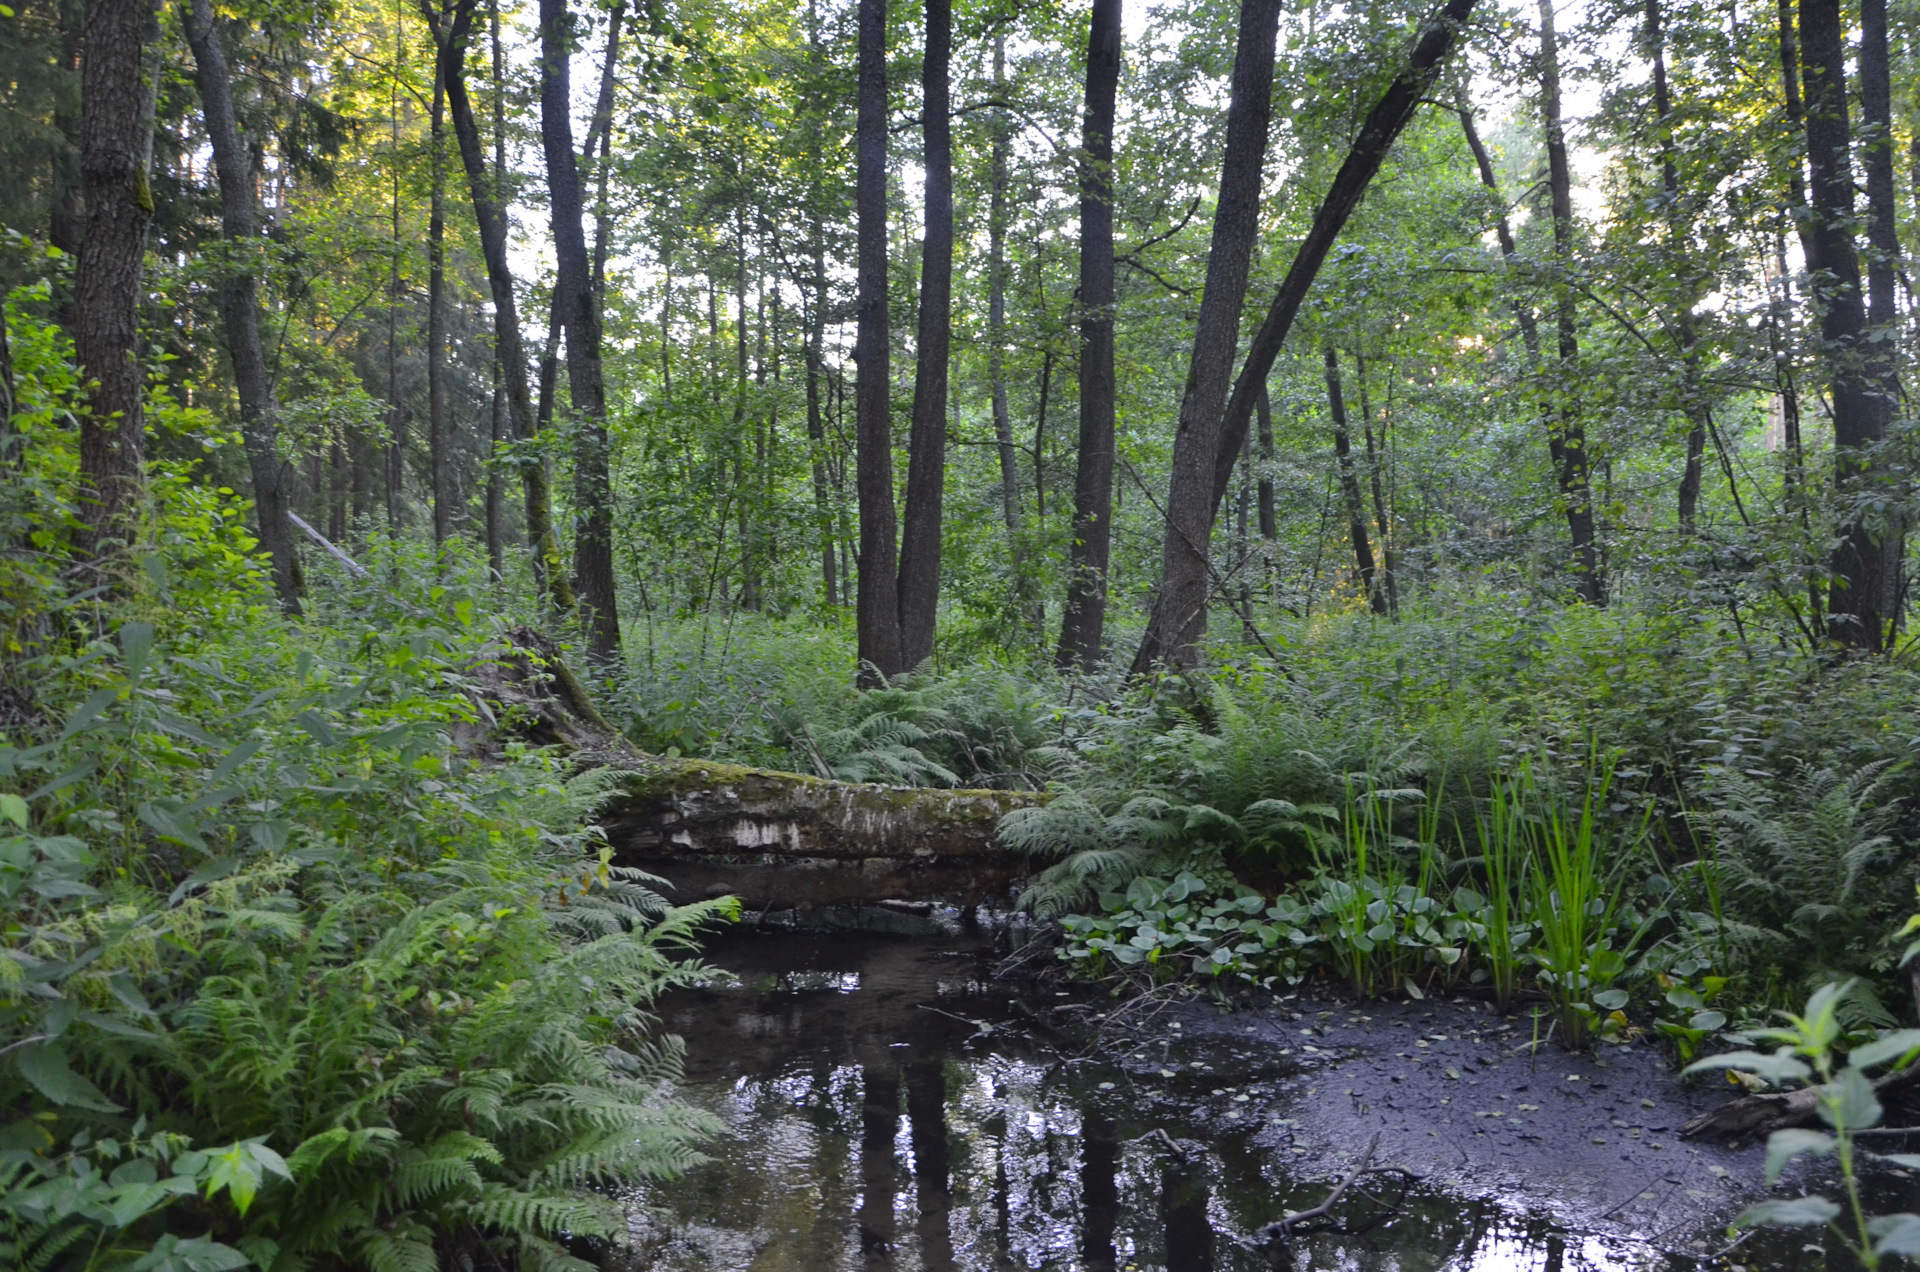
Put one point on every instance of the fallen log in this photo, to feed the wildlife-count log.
(775, 840)
(1777, 1110)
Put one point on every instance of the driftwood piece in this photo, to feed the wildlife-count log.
(776, 840)
(1777, 1110)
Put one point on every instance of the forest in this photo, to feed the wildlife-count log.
(1373, 517)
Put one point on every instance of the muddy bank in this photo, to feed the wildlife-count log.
(889, 1104)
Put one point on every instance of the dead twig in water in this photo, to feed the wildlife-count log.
(1285, 1229)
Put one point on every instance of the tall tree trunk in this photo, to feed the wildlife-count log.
(878, 611)
(1090, 540)
(1389, 564)
(437, 439)
(1186, 572)
(579, 314)
(1350, 488)
(1864, 567)
(1692, 404)
(487, 190)
(502, 418)
(396, 409)
(496, 494)
(823, 502)
(1796, 120)
(1269, 521)
(1369, 150)
(919, 597)
(238, 292)
(1032, 613)
(116, 129)
(1883, 240)
(1566, 435)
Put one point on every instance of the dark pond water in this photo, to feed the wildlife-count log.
(889, 1105)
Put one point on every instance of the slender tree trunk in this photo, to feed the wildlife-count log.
(238, 291)
(919, 595)
(438, 441)
(487, 190)
(1032, 613)
(1692, 404)
(1389, 565)
(496, 494)
(1883, 240)
(1350, 488)
(502, 414)
(1090, 540)
(1566, 435)
(1040, 441)
(1529, 328)
(1186, 572)
(1864, 567)
(1369, 150)
(1269, 521)
(878, 610)
(823, 502)
(396, 409)
(579, 314)
(116, 129)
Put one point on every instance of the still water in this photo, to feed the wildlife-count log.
(890, 1106)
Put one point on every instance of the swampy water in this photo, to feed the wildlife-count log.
(888, 1104)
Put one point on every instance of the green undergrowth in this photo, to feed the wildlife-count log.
(292, 974)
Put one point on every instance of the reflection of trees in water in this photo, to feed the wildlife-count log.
(879, 1117)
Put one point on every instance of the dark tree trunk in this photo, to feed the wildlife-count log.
(816, 420)
(437, 439)
(1369, 150)
(487, 190)
(1883, 239)
(502, 418)
(919, 597)
(1090, 540)
(579, 314)
(1031, 612)
(1269, 522)
(396, 409)
(1389, 565)
(1350, 488)
(878, 610)
(1863, 565)
(1186, 572)
(116, 131)
(238, 291)
(496, 434)
(1566, 435)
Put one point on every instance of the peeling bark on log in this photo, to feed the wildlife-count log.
(775, 840)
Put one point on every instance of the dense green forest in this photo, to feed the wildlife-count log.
(1422, 489)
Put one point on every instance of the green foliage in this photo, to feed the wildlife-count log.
(291, 973)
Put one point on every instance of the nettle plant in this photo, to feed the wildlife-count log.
(1816, 1049)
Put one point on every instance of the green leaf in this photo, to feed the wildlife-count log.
(136, 646)
(1610, 999)
(46, 1067)
(1849, 1102)
(1779, 1067)
(1896, 1234)
(89, 711)
(1784, 1146)
(14, 809)
(1886, 1047)
(1799, 1212)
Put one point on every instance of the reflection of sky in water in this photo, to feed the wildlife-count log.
(790, 1190)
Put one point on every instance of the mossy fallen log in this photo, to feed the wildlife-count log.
(775, 840)
(788, 840)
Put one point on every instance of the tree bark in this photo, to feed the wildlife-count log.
(1383, 124)
(1859, 603)
(1691, 403)
(116, 130)
(488, 193)
(1509, 250)
(877, 617)
(1090, 539)
(1566, 435)
(1026, 604)
(1389, 564)
(437, 440)
(816, 421)
(238, 292)
(919, 595)
(1269, 522)
(579, 313)
(1180, 616)
(1350, 488)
